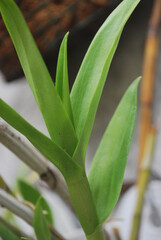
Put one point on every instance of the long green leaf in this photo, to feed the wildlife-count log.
(6, 233)
(91, 77)
(62, 82)
(57, 121)
(107, 170)
(45, 145)
(40, 223)
(32, 195)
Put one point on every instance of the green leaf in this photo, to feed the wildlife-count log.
(45, 145)
(56, 118)
(28, 192)
(107, 170)
(40, 223)
(91, 77)
(32, 195)
(62, 82)
(6, 233)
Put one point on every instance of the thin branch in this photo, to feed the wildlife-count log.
(16, 207)
(22, 211)
(144, 177)
(107, 237)
(35, 160)
(26, 213)
(55, 234)
(117, 234)
(147, 85)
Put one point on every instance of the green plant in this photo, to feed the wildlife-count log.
(69, 118)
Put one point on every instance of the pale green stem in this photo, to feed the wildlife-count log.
(85, 209)
(98, 234)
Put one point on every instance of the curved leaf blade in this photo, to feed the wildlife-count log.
(107, 170)
(62, 82)
(45, 145)
(57, 121)
(40, 223)
(91, 77)
(32, 195)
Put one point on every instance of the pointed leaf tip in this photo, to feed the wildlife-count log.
(90, 80)
(107, 170)
(31, 194)
(55, 116)
(62, 81)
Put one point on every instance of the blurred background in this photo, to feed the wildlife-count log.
(138, 54)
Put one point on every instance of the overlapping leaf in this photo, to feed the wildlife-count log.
(91, 77)
(56, 118)
(46, 146)
(40, 223)
(32, 195)
(107, 171)
(62, 82)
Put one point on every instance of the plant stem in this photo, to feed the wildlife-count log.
(98, 234)
(144, 177)
(35, 160)
(147, 83)
(117, 234)
(19, 209)
(84, 206)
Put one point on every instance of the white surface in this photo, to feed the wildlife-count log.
(151, 224)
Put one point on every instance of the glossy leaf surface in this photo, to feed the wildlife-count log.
(57, 121)
(45, 145)
(62, 82)
(91, 77)
(40, 223)
(107, 170)
(32, 195)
